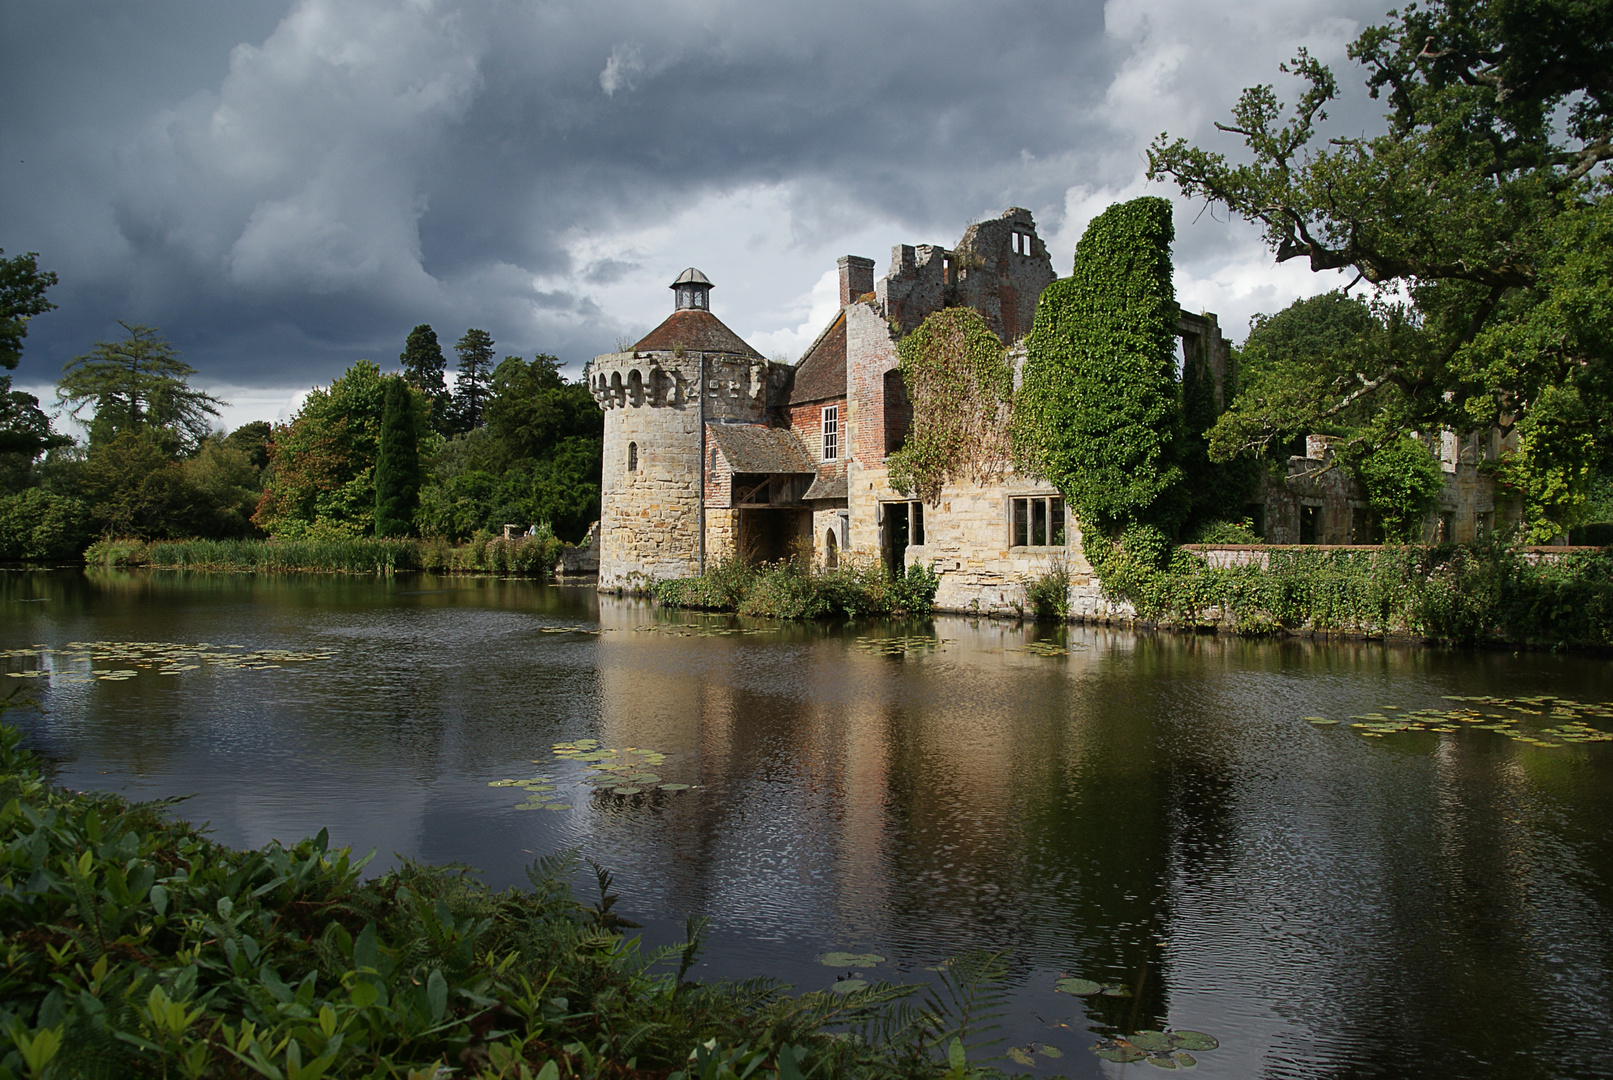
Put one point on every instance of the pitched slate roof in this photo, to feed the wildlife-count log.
(697, 331)
(821, 374)
(826, 487)
(756, 448)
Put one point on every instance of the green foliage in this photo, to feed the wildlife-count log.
(133, 485)
(534, 555)
(321, 479)
(252, 439)
(423, 368)
(1402, 480)
(24, 428)
(1451, 593)
(1485, 201)
(1099, 413)
(38, 525)
(135, 946)
(961, 385)
(796, 589)
(475, 351)
(538, 458)
(1048, 593)
(397, 464)
(22, 296)
(135, 384)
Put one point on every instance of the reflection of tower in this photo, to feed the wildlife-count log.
(656, 397)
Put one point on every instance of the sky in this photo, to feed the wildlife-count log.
(287, 187)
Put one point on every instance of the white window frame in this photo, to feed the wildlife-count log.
(829, 429)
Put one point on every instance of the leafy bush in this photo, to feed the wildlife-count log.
(1048, 594)
(796, 589)
(135, 946)
(1451, 593)
(526, 555)
(35, 524)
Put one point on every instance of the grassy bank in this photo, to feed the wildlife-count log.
(1452, 593)
(796, 589)
(134, 946)
(534, 556)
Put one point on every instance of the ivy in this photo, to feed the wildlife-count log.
(961, 385)
(1099, 413)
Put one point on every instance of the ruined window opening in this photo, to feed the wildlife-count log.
(1483, 523)
(949, 270)
(632, 457)
(902, 527)
(898, 411)
(1036, 521)
(831, 433)
(831, 550)
(1447, 527)
(1310, 524)
(1023, 243)
(1255, 513)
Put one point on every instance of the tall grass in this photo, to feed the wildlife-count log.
(530, 556)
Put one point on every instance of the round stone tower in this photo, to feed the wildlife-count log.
(658, 397)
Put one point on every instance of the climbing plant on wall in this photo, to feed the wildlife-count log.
(961, 386)
(1099, 413)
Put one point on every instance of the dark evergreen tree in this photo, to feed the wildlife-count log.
(423, 368)
(397, 469)
(475, 351)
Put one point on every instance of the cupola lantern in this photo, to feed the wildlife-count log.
(693, 290)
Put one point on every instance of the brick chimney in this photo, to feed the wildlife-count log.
(856, 277)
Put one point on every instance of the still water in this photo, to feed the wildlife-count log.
(1153, 811)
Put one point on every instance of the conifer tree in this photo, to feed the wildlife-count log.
(423, 368)
(397, 469)
(475, 351)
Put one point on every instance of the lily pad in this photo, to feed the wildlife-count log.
(1162, 1062)
(850, 959)
(1020, 1057)
(1118, 1051)
(627, 789)
(1078, 987)
(1155, 1042)
(674, 787)
(1320, 720)
(1186, 1061)
(1193, 1040)
(1116, 990)
(846, 986)
(1049, 1051)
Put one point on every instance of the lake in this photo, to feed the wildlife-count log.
(1430, 895)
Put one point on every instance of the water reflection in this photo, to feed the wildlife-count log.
(1143, 809)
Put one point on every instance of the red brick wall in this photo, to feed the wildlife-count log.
(807, 421)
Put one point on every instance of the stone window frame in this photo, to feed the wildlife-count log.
(915, 518)
(829, 432)
(1024, 243)
(632, 457)
(1047, 499)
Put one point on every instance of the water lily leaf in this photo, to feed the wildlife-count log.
(644, 778)
(1116, 990)
(626, 789)
(850, 960)
(674, 787)
(1118, 1051)
(1049, 1051)
(1078, 987)
(1320, 720)
(1193, 1040)
(1155, 1042)
(1020, 1057)
(1163, 1062)
(1186, 1061)
(846, 986)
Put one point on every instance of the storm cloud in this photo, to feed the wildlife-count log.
(284, 188)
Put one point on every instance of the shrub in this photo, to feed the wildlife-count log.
(796, 589)
(1048, 594)
(36, 524)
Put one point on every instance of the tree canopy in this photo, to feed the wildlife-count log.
(423, 368)
(136, 383)
(22, 296)
(1482, 215)
(475, 351)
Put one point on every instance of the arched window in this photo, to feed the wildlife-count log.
(831, 550)
(632, 457)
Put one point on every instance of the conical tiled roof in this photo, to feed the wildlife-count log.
(696, 331)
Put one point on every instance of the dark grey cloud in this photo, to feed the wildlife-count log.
(285, 187)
